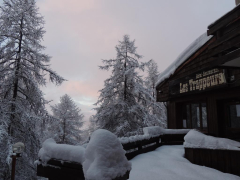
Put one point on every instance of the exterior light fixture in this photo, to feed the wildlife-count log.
(18, 148)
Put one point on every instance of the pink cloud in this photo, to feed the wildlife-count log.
(80, 88)
(69, 6)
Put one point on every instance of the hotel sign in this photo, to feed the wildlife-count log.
(201, 81)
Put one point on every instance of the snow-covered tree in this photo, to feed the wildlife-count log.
(152, 77)
(157, 109)
(42, 127)
(23, 67)
(121, 104)
(92, 125)
(70, 119)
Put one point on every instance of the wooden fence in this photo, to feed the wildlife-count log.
(59, 170)
(227, 161)
(143, 146)
(62, 170)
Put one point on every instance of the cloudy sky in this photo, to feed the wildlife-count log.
(79, 33)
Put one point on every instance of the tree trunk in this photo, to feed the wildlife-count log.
(125, 78)
(15, 85)
(64, 130)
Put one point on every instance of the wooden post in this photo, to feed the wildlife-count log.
(14, 157)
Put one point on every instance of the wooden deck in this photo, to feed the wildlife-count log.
(62, 170)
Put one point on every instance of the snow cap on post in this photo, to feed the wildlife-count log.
(104, 157)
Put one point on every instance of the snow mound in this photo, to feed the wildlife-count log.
(153, 130)
(104, 157)
(51, 150)
(125, 140)
(196, 139)
(157, 130)
(150, 132)
(190, 50)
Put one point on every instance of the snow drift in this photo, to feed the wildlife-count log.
(196, 139)
(157, 130)
(51, 150)
(104, 157)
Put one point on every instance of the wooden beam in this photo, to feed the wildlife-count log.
(225, 38)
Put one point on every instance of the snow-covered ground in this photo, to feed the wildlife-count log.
(168, 163)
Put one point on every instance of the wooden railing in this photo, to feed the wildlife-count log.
(143, 146)
(227, 161)
(62, 170)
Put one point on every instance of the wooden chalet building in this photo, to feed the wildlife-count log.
(202, 87)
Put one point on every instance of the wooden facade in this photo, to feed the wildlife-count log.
(209, 81)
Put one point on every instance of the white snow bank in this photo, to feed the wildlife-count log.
(168, 163)
(150, 132)
(196, 139)
(157, 130)
(50, 149)
(192, 48)
(153, 130)
(125, 140)
(104, 157)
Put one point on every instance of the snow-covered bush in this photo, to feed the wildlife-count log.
(104, 157)
(51, 150)
(196, 139)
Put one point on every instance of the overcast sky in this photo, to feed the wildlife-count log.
(79, 33)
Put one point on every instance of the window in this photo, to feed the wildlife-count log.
(234, 116)
(195, 116)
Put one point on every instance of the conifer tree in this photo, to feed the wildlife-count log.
(66, 130)
(92, 125)
(156, 109)
(121, 104)
(23, 67)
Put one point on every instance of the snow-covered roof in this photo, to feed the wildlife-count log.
(189, 51)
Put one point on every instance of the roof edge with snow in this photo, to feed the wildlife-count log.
(186, 54)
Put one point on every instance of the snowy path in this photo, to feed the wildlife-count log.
(168, 163)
